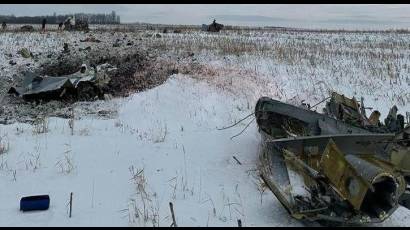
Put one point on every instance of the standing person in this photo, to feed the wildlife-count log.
(67, 23)
(72, 21)
(43, 25)
(4, 26)
(60, 26)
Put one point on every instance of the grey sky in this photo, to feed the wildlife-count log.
(349, 16)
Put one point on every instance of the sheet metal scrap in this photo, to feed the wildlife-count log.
(351, 170)
(281, 120)
(345, 180)
(341, 115)
(82, 85)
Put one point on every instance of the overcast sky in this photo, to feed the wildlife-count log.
(348, 16)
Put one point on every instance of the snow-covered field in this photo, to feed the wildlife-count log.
(164, 145)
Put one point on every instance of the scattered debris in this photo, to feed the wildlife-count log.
(83, 85)
(27, 28)
(88, 48)
(91, 39)
(138, 68)
(349, 167)
(24, 52)
(341, 116)
(65, 48)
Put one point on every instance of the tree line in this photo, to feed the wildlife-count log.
(111, 18)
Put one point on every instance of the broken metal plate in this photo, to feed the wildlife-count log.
(356, 186)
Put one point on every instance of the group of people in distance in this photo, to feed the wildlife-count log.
(69, 21)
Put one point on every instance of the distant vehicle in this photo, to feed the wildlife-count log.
(71, 24)
(214, 27)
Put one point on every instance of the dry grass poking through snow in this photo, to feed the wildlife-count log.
(143, 209)
(299, 65)
(160, 128)
(4, 144)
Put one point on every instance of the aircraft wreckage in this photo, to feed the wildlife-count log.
(339, 166)
(86, 84)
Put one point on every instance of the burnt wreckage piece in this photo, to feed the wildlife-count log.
(334, 167)
(82, 85)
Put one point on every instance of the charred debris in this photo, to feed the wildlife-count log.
(85, 85)
(85, 70)
(336, 167)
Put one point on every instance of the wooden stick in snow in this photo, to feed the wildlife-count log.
(71, 203)
(174, 223)
(237, 160)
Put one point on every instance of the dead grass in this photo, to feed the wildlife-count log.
(40, 125)
(66, 163)
(142, 207)
(4, 144)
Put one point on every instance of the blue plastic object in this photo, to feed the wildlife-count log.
(31, 203)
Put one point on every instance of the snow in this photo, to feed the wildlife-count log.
(164, 146)
(193, 156)
(169, 132)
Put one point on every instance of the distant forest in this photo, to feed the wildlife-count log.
(111, 18)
